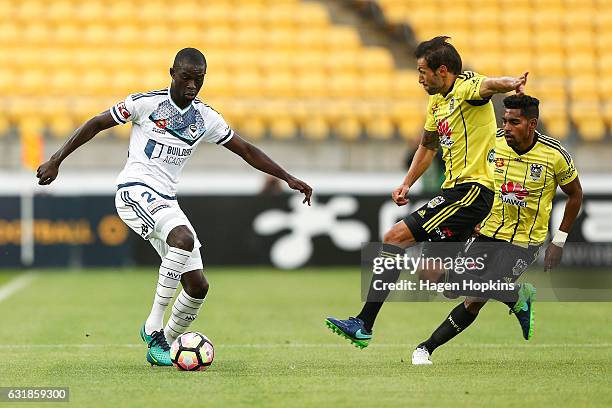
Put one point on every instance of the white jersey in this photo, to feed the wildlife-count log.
(164, 136)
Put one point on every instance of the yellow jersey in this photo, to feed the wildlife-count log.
(466, 125)
(525, 186)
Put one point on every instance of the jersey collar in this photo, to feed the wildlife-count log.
(535, 141)
(176, 106)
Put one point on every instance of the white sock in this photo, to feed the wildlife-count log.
(184, 311)
(172, 266)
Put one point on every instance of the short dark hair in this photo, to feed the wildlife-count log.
(438, 52)
(189, 56)
(528, 105)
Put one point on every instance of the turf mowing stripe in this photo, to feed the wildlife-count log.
(314, 345)
(15, 285)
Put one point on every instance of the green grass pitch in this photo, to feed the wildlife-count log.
(80, 329)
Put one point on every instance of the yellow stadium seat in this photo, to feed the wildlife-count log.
(548, 65)
(279, 85)
(342, 61)
(61, 126)
(310, 40)
(29, 10)
(607, 113)
(380, 128)
(347, 129)
(377, 86)
(253, 128)
(280, 38)
(592, 130)
(279, 16)
(376, 59)
(90, 11)
(253, 38)
(343, 38)
(584, 89)
(489, 64)
(315, 128)
(283, 128)
(247, 84)
(343, 86)
(311, 15)
(309, 85)
(547, 89)
(581, 40)
(246, 14)
(406, 85)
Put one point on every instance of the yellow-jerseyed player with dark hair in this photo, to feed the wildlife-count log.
(528, 167)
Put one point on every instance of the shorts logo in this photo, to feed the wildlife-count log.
(499, 162)
(144, 230)
(535, 171)
(491, 156)
(421, 213)
(513, 194)
(123, 110)
(520, 267)
(434, 202)
(447, 232)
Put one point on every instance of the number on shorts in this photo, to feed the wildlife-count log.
(148, 196)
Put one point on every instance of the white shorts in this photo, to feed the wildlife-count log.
(153, 215)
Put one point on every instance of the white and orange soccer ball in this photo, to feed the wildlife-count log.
(192, 351)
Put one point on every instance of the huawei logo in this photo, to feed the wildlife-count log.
(513, 194)
(445, 132)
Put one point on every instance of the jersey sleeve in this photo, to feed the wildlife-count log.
(219, 131)
(430, 121)
(565, 170)
(469, 89)
(125, 111)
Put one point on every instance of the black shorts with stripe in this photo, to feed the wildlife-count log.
(452, 215)
(503, 261)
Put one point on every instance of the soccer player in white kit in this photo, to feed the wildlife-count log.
(167, 126)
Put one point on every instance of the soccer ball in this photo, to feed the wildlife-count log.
(192, 351)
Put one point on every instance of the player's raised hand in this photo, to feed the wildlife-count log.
(552, 257)
(520, 84)
(47, 172)
(299, 185)
(400, 194)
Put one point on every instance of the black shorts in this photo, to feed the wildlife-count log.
(502, 260)
(452, 215)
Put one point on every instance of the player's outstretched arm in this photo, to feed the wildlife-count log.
(258, 159)
(47, 172)
(492, 86)
(430, 141)
(554, 251)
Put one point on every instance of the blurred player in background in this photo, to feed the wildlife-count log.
(461, 120)
(167, 126)
(528, 167)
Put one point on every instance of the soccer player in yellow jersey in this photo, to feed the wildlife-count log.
(460, 121)
(528, 167)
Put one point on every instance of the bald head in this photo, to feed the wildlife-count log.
(189, 57)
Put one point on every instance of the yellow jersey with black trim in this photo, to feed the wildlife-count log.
(466, 125)
(525, 187)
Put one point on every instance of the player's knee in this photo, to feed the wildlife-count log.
(182, 238)
(473, 305)
(198, 290)
(393, 237)
(399, 235)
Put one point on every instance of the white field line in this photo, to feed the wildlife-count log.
(313, 345)
(16, 284)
